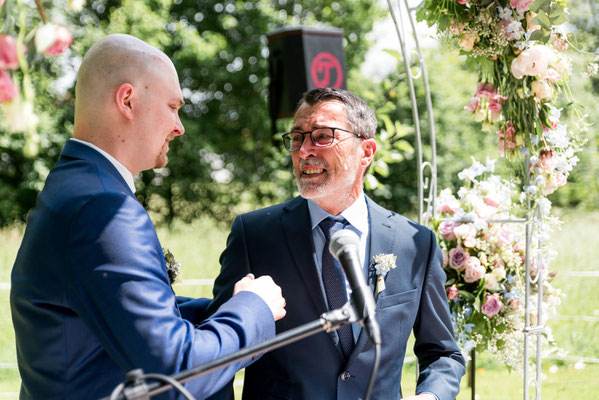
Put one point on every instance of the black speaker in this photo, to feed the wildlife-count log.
(303, 59)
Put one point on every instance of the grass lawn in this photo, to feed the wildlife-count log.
(197, 246)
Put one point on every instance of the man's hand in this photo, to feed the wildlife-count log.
(266, 288)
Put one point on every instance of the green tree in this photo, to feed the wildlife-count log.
(227, 161)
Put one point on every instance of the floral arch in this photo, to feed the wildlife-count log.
(494, 232)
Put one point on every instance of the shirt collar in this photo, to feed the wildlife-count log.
(128, 176)
(356, 214)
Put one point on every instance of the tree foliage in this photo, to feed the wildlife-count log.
(227, 161)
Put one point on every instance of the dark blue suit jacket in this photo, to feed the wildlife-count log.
(91, 300)
(278, 241)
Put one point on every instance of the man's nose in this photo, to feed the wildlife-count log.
(307, 148)
(179, 128)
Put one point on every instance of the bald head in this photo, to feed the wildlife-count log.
(110, 62)
(127, 95)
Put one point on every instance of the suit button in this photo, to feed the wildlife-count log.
(345, 376)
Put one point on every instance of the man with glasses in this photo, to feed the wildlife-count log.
(332, 145)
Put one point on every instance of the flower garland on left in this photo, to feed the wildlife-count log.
(16, 46)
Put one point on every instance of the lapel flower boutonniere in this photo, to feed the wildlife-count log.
(383, 263)
(173, 268)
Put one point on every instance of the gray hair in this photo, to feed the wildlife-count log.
(360, 117)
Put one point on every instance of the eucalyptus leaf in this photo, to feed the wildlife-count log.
(537, 5)
(543, 20)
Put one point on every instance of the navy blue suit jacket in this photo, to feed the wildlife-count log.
(278, 241)
(91, 300)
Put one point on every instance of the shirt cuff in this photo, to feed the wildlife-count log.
(432, 394)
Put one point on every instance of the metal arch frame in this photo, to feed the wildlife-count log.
(403, 9)
(402, 12)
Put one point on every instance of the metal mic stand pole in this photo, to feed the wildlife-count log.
(328, 322)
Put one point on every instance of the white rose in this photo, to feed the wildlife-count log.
(533, 61)
(499, 273)
(541, 90)
(491, 282)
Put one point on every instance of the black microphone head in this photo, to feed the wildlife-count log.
(342, 239)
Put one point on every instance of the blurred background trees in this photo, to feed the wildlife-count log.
(228, 162)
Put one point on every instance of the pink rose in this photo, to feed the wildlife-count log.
(485, 90)
(491, 201)
(7, 89)
(498, 263)
(472, 105)
(519, 246)
(8, 52)
(467, 233)
(446, 229)
(552, 75)
(559, 43)
(462, 1)
(457, 258)
(473, 270)
(452, 292)
(467, 41)
(520, 5)
(514, 304)
(52, 39)
(449, 205)
(445, 258)
(546, 159)
(492, 305)
(456, 28)
(504, 238)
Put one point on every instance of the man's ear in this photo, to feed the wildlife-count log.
(368, 150)
(124, 97)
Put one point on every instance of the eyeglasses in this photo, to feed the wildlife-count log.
(321, 137)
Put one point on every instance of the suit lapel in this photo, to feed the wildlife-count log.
(382, 238)
(298, 233)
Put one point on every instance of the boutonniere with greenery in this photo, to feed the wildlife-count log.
(173, 268)
(383, 263)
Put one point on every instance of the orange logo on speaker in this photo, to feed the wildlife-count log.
(324, 67)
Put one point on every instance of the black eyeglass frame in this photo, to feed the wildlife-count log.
(287, 137)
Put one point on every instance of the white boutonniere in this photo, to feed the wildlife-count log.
(173, 268)
(383, 263)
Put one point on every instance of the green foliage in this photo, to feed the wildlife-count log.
(227, 161)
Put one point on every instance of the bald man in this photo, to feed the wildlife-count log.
(90, 294)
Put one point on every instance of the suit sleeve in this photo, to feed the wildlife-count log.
(234, 266)
(117, 284)
(234, 263)
(440, 360)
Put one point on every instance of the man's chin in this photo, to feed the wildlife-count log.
(311, 191)
(161, 162)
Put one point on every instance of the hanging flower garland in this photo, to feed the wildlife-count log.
(19, 43)
(519, 48)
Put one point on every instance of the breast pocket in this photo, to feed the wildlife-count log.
(398, 298)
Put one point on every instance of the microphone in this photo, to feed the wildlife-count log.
(344, 247)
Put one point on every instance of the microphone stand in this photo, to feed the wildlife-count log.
(135, 388)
